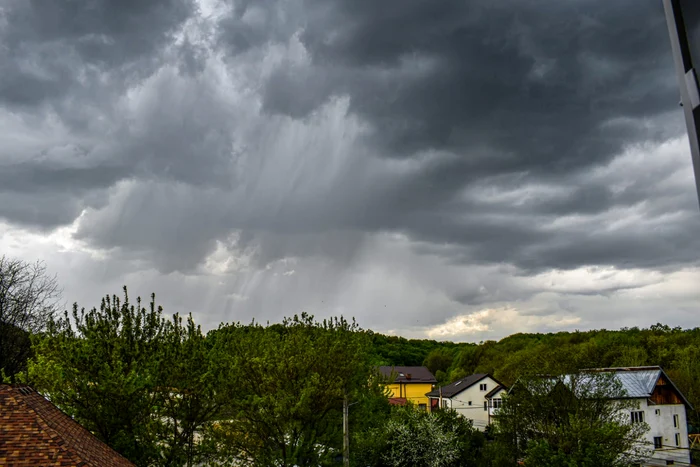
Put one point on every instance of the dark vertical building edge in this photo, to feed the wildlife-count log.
(682, 59)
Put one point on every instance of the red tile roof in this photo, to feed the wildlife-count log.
(34, 432)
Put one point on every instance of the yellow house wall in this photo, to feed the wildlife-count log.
(413, 392)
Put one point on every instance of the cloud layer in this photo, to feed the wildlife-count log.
(461, 170)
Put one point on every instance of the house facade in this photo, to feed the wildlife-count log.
(655, 400)
(408, 384)
(661, 406)
(494, 399)
(475, 397)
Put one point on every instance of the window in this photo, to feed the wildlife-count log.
(422, 407)
(657, 411)
(482, 387)
(470, 402)
(676, 423)
(444, 403)
(678, 439)
(486, 406)
(658, 442)
(496, 403)
(637, 417)
(670, 462)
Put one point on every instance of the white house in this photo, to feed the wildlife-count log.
(656, 402)
(474, 397)
(494, 398)
(662, 406)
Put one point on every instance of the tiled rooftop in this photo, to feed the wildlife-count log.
(408, 374)
(34, 432)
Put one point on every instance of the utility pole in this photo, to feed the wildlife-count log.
(346, 431)
(488, 410)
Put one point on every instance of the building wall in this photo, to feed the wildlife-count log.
(498, 395)
(661, 424)
(474, 411)
(412, 392)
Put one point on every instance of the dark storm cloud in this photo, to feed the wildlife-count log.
(537, 89)
(517, 87)
(41, 178)
(455, 99)
(47, 46)
(533, 81)
(525, 233)
(65, 70)
(253, 23)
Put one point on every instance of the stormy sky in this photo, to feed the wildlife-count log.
(456, 170)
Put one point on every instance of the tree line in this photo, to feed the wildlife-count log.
(162, 392)
(676, 350)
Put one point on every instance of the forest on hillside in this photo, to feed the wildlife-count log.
(676, 350)
(162, 392)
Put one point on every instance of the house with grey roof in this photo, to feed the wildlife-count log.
(658, 403)
(476, 397)
(662, 406)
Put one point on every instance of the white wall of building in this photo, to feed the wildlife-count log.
(498, 396)
(660, 419)
(470, 403)
(667, 421)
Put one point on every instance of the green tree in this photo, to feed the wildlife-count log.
(187, 395)
(410, 437)
(468, 358)
(100, 367)
(417, 440)
(284, 389)
(686, 374)
(142, 384)
(631, 356)
(470, 441)
(439, 359)
(578, 420)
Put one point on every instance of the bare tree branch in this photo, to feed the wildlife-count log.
(28, 300)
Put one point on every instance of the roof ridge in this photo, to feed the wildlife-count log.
(623, 368)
